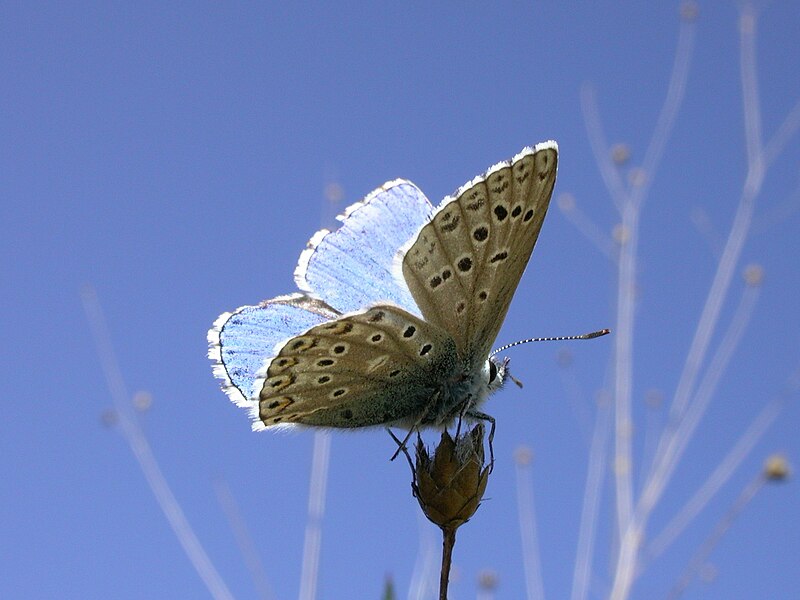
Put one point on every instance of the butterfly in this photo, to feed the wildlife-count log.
(397, 311)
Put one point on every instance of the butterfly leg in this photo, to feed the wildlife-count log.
(415, 426)
(465, 411)
(401, 445)
(480, 416)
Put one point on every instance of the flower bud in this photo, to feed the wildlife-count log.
(449, 486)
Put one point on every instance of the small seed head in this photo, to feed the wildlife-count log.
(776, 468)
(450, 484)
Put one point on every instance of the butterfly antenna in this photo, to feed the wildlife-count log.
(563, 338)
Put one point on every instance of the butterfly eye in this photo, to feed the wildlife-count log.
(492, 371)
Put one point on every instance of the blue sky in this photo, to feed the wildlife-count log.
(175, 156)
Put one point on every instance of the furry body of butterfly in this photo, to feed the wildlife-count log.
(399, 308)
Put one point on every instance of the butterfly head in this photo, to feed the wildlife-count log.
(498, 373)
(497, 370)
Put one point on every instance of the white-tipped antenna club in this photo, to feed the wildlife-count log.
(563, 338)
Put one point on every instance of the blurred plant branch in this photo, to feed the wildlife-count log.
(704, 365)
(144, 454)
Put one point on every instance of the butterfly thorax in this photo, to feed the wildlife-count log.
(461, 395)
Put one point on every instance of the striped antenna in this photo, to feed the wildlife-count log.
(564, 338)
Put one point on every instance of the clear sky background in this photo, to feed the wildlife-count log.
(175, 157)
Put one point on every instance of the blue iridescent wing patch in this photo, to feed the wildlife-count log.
(352, 267)
(243, 341)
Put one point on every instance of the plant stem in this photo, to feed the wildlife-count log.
(448, 542)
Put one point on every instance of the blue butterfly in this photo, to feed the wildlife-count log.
(397, 310)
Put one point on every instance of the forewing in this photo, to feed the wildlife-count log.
(351, 268)
(242, 342)
(465, 265)
(370, 368)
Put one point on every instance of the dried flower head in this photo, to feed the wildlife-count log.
(566, 202)
(620, 154)
(488, 579)
(776, 468)
(689, 11)
(450, 484)
(142, 401)
(753, 275)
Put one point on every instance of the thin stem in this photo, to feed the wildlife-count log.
(623, 377)
(751, 103)
(584, 224)
(628, 203)
(423, 580)
(717, 479)
(654, 423)
(725, 469)
(675, 439)
(785, 132)
(627, 271)
(316, 509)
(448, 543)
(679, 439)
(707, 547)
(669, 111)
(591, 503)
(144, 453)
(664, 465)
(779, 213)
(597, 138)
(714, 301)
(526, 508)
(628, 529)
(742, 220)
(243, 539)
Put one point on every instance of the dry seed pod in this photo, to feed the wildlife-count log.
(450, 484)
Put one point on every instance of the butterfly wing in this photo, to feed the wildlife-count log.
(241, 342)
(351, 268)
(375, 367)
(465, 264)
